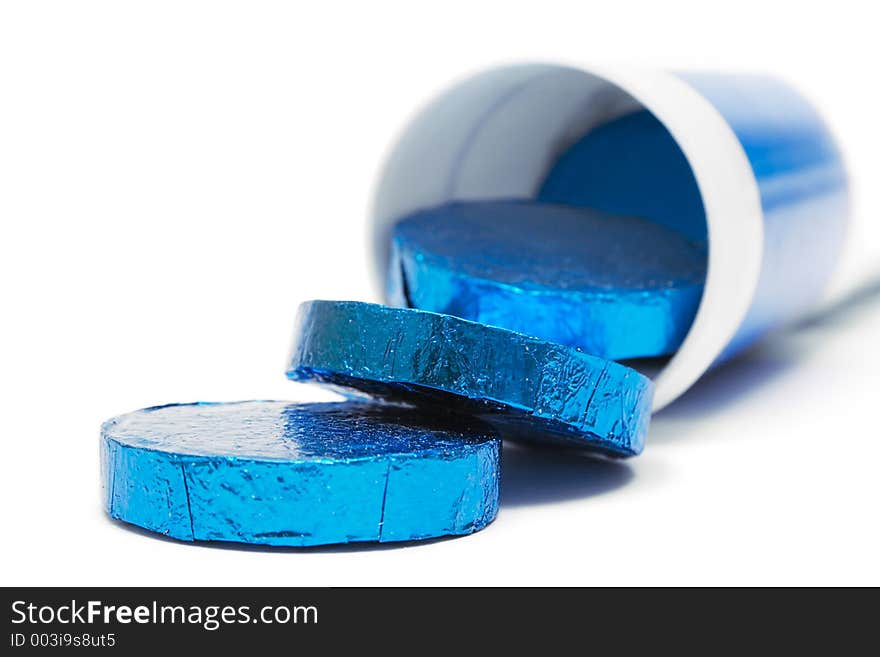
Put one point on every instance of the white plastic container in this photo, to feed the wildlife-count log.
(772, 183)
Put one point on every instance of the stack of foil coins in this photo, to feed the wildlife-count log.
(561, 252)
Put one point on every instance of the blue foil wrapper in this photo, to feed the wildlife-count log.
(535, 390)
(603, 170)
(278, 473)
(618, 287)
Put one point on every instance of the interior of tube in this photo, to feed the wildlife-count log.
(541, 133)
(630, 166)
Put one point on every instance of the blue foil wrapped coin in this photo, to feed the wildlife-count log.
(619, 287)
(534, 390)
(279, 473)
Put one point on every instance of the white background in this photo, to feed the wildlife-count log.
(176, 176)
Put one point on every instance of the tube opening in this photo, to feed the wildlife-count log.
(551, 134)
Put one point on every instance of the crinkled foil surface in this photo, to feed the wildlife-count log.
(279, 473)
(536, 390)
(618, 287)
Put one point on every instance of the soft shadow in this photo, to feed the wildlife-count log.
(251, 547)
(776, 356)
(734, 381)
(541, 475)
(846, 309)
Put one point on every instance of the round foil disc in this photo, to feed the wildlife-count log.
(535, 390)
(279, 473)
(616, 286)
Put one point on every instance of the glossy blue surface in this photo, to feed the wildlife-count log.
(536, 390)
(634, 152)
(804, 193)
(278, 473)
(616, 286)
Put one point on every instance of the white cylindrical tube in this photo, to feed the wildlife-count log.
(771, 180)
